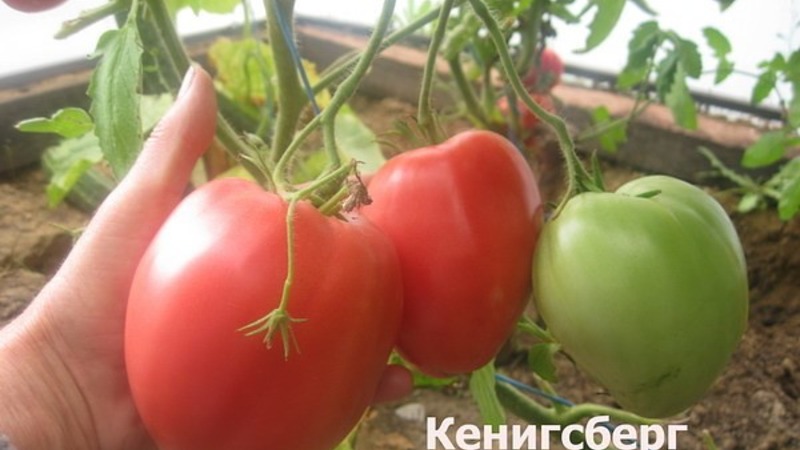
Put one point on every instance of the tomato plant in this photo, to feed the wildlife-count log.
(462, 220)
(219, 262)
(646, 289)
(464, 217)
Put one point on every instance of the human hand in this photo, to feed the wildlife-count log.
(62, 380)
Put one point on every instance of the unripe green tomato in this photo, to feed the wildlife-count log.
(646, 289)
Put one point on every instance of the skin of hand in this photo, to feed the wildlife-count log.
(62, 372)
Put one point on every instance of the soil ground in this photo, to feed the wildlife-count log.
(754, 405)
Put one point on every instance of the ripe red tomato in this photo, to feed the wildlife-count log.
(33, 5)
(464, 217)
(542, 77)
(219, 263)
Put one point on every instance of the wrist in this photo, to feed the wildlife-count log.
(42, 406)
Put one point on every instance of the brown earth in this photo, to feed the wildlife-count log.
(755, 404)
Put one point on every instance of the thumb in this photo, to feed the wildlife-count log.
(129, 218)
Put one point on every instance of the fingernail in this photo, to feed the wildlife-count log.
(187, 81)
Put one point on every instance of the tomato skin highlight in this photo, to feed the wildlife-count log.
(219, 263)
(464, 217)
(648, 295)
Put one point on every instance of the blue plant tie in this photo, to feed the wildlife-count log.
(530, 389)
(540, 393)
(298, 61)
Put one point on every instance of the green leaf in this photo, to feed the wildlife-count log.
(244, 71)
(643, 42)
(764, 86)
(789, 202)
(114, 89)
(689, 58)
(459, 37)
(67, 122)
(605, 19)
(630, 77)
(420, 379)
(211, 6)
(708, 440)
(482, 387)
(665, 74)
(68, 161)
(681, 103)
(349, 442)
(355, 140)
(310, 167)
(562, 12)
(718, 42)
(768, 149)
(724, 70)
(540, 360)
(792, 69)
(750, 202)
(153, 108)
(642, 4)
(641, 48)
(614, 135)
(793, 114)
(725, 4)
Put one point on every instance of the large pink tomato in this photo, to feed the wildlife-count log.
(464, 217)
(218, 264)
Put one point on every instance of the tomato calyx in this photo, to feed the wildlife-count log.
(278, 321)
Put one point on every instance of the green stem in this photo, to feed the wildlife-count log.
(328, 117)
(332, 205)
(169, 36)
(488, 96)
(523, 406)
(743, 181)
(527, 325)
(279, 172)
(349, 86)
(425, 116)
(245, 154)
(530, 32)
(579, 412)
(90, 17)
(578, 179)
(279, 320)
(179, 63)
(292, 98)
(593, 132)
(337, 70)
(533, 412)
(467, 92)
